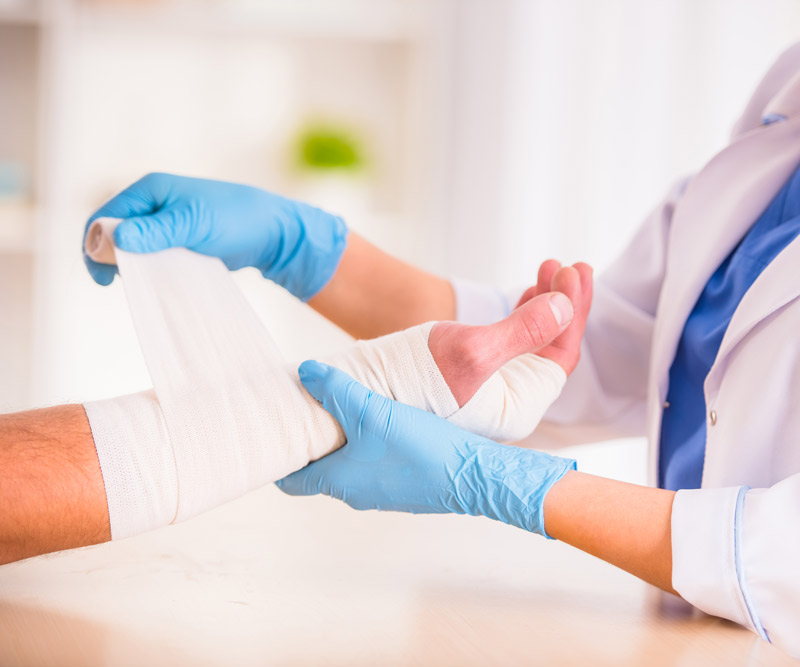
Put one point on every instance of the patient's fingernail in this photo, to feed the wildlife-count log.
(562, 308)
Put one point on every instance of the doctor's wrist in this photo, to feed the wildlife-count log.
(627, 525)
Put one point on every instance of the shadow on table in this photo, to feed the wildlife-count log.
(557, 627)
(41, 637)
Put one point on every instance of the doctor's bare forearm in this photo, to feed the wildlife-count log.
(51, 487)
(624, 524)
(373, 293)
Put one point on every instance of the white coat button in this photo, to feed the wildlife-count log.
(712, 417)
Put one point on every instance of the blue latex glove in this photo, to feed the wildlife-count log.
(293, 244)
(404, 459)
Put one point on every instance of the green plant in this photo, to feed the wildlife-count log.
(326, 147)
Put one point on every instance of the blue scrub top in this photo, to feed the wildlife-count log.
(683, 428)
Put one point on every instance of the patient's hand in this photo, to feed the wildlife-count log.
(468, 355)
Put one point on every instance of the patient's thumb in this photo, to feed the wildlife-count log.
(534, 324)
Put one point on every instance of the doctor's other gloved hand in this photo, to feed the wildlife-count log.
(291, 243)
(403, 459)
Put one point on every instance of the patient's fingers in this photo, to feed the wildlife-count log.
(468, 355)
(567, 280)
(545, 277)
(575, 282)
(547, 270)
(587, 287)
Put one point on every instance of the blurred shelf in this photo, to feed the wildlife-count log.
(19, 18)
(17, 222)
(19, 13)
(368, 20)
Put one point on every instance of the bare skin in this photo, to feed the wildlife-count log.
(626, 525)
(53, 492)
(373, 294)
(51, 489)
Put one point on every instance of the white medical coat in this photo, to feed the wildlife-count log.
(736, 552)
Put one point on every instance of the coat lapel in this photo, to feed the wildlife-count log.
(718, 207)
(777, 285)
(787, 102)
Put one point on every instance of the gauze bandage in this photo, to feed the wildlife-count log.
(227, 414)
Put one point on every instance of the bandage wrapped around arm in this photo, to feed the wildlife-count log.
(227, 414)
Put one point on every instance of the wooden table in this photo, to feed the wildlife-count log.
(274, 580)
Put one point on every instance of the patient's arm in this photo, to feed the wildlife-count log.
(51, 489)
(54, 491)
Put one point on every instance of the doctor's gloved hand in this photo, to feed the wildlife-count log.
(403, 459)
(293, 244)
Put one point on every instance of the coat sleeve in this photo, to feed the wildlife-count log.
(605, 396)
(725, 560)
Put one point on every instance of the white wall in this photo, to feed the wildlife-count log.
(574, 117)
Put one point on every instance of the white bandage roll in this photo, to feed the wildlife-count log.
(227, 414)
(99, 241)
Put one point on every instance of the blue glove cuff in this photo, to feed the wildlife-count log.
(556, 474)
(312, 244)
(515, 482)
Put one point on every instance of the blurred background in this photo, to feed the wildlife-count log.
(471, 137)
